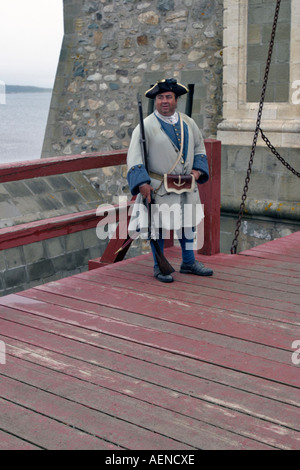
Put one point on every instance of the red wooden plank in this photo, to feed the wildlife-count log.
(89, 409)
(289, 243)
(281, 249)
(45, 432)
(188, 380)
(141, 352)
(197, 349)
(184, 375)
(227, 342)
(175, 311)
(190, 292)
(142, 369)
(226, 397)
(225, 272)
(253, 264)
(64, 164)
(252, 329)
(229, 375)
(258, 263)
(235, 421)
(201, 303)
(187, 404)
(10, 442)
(268, 291)
(162, 420)
(288, 260)
(115, 300)
(245, 272)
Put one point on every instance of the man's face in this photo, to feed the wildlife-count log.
(166, 103)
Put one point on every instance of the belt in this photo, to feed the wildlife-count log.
(156, 176)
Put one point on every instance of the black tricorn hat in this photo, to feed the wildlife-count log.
(170, 84)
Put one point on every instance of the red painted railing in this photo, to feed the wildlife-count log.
(58, 165)
(23, 234)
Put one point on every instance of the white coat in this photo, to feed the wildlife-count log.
(173, 211)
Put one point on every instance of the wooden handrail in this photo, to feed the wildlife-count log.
(25, 234)
(63, 225)
(58, 165)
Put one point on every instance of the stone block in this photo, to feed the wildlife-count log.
(89, 194)
(14, 257)
(38, 186)
(288, 187)
(90, 238)
(40, 270)
(54, 247)
(2, 261)
(257, 54)
(64, 263)
(17, 189)
(279, 73)
(73, 242)
(8, 211)
(49, 203)
(34, 252)
(82, 258)
(71, 198)
(281, 93)
(77, 179)
(15, 277)
(97, 251)
(27, 205)
(255, 34)
(59, 182)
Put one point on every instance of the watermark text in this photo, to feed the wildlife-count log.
(157, 221)
(2, 353)
(296, 93)
(296, 354)
(2, 92)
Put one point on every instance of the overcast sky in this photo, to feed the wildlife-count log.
(31, 34)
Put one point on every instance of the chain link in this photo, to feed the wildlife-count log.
(257, 129)
(280, 158)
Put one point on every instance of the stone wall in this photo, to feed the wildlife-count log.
(36, 199)
(260, 22)
(112, 49)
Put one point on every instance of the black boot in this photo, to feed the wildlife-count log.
(162, 277)
(197, 268)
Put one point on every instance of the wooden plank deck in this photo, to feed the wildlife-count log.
(112, 360)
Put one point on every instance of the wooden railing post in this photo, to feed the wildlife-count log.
(210, 195)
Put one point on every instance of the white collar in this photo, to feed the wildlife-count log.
(168, 119)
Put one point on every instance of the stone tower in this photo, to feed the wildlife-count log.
(114, 48)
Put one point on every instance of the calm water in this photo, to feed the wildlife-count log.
(23, 121)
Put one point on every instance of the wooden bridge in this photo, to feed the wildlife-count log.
(112, 359)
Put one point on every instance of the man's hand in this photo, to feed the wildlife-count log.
(145, 190)
(196, 174)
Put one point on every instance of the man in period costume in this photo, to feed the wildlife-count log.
(176, 159)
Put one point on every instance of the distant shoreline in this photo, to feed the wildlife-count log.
(26, 89)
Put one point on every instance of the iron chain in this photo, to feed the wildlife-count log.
(280, 158)
(257, 129)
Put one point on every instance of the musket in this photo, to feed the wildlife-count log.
(164, 265)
